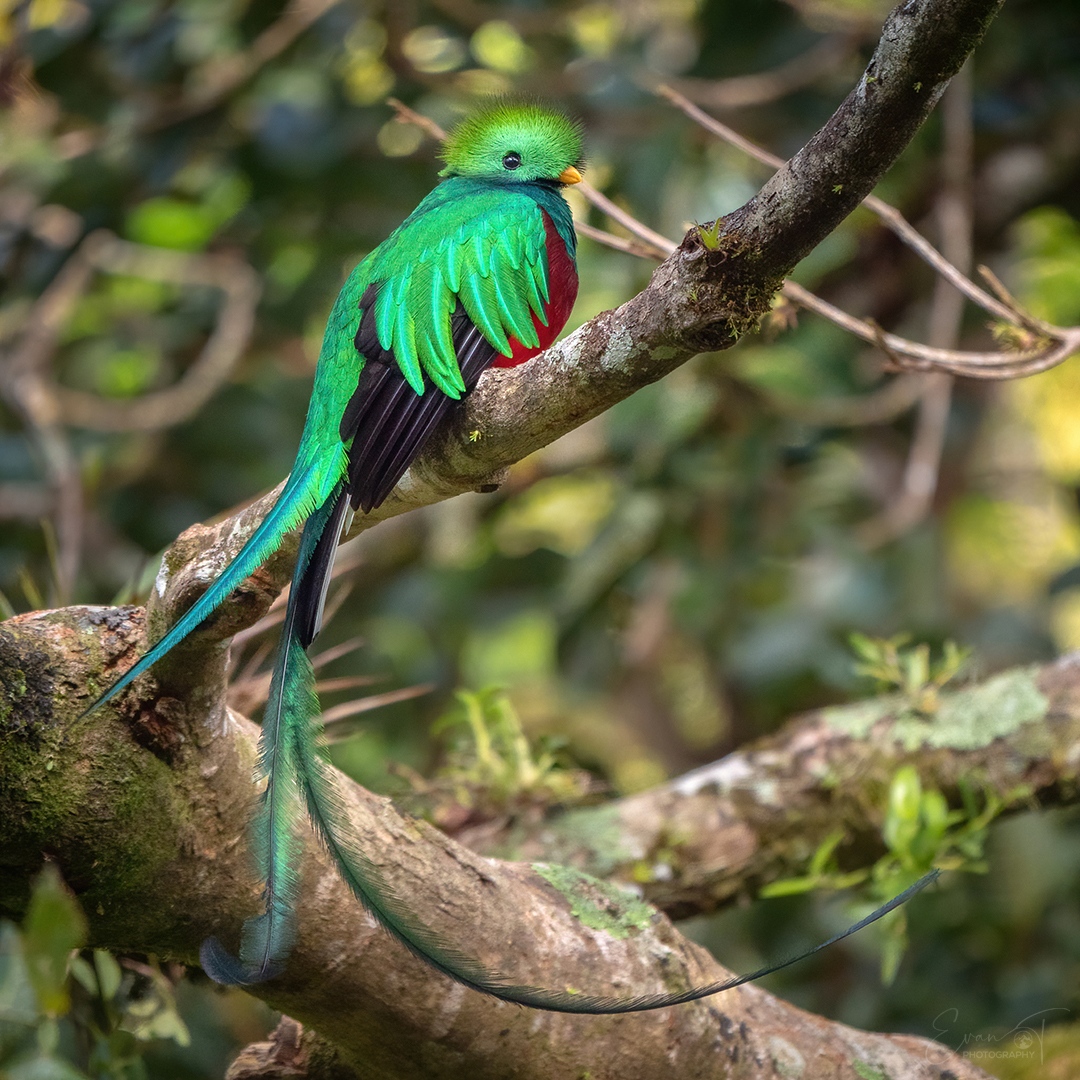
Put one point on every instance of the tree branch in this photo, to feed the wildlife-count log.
(759, 814)
(151, 839)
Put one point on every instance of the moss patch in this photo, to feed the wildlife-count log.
(597, 904)
(595, 832)
(858, 719)
(966, 720)
(27, 689)
(868, 1072)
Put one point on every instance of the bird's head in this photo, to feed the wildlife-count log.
(515, 141)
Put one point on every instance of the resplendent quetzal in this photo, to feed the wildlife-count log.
(481, 274)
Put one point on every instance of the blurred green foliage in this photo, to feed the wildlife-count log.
(71, 1015)
(674, 578)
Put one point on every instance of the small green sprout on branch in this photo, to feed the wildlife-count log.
(491, 768)
(920, 832)
(710, 235)
(896, 667)
(918, 828)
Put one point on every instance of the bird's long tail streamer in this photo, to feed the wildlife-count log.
(267, 938)
(294, 503)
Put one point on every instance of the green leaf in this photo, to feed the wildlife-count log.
(902, 818)
(83, 973)
(108, 973)
(823, 856)
(894, 945)
(790, 886)
(53, 929)
(18, 1004)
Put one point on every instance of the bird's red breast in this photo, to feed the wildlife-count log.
(562, 292)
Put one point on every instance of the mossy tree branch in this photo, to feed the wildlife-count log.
(145, 807)
(759, 814)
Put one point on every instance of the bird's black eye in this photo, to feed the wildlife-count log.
(512, 160)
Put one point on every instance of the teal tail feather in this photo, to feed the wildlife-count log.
(294, 503)
(267, 939)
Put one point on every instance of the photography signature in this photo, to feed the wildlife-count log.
(1022, 1040)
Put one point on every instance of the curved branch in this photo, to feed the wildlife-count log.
(758, 815)
(150, 839)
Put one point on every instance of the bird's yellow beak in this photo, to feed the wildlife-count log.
(569, 175)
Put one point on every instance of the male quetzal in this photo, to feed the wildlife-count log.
(481, 274)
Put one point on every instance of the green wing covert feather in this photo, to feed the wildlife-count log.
(484, 248)
(466, 242)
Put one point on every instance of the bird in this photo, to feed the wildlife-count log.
(482, 274)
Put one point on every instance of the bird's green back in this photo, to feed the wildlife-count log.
(480, 242)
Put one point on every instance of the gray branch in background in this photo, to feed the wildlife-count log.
(758, 815)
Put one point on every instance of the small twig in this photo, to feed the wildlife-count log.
(349, 709)
(718, 128)
(405, 115)
(892, 217)
(336, 652)
(1062, 343)
(625, 219)
(1022, 316)
(914, 356)
(346, 682)
(620, 243)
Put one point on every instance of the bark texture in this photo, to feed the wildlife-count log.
(145, 809)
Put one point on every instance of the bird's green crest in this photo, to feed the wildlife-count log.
(513, 140)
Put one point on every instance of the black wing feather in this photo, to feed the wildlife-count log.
(389, 423)
(311, 589)
(386, 419)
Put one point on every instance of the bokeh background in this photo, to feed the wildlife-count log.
(668, 582)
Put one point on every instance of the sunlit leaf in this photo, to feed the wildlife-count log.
(54, 927)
